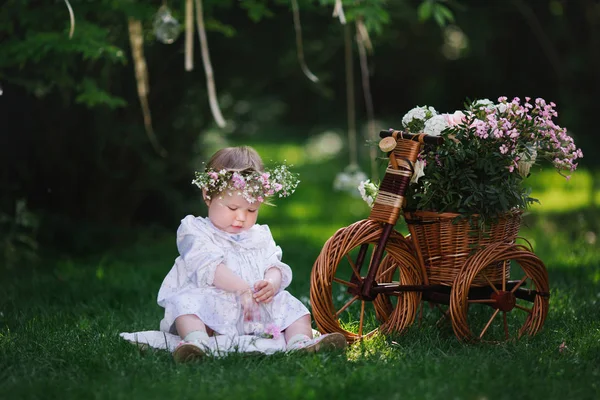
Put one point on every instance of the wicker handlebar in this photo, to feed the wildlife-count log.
(390, 199)
(421, 137)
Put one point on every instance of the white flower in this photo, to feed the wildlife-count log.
(435, 125)
(368, 191)
(502, 107)
(419, 167)
(421, 113)
(486, 103)
(526, 160)
(361, 189)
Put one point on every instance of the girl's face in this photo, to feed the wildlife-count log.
(232, 214)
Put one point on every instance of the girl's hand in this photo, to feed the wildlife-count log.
(248, 303)
(264, 290)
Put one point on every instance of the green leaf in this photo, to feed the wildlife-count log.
(91, 95)
(218, 26)
(445, 12)
(257, 10)
(425, 10)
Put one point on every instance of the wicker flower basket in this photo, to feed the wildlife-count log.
(444, 244)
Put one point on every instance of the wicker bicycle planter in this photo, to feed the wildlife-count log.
(444, 244)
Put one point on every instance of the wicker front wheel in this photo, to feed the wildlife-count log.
(335, 271)
(504, 314)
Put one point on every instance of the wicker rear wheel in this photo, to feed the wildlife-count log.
(335, 271)
(511, 310)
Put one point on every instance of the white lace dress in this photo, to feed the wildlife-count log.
(188, 287)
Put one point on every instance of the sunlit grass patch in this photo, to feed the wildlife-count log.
(549, 178)
(556, 193)
(564, 239)
(558, 200)
(376, 348)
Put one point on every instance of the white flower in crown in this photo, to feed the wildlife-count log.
(252, 185)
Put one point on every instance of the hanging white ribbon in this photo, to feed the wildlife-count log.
(210, 81)
(71, 18)
(299, 46)
(338, 11)
(189, 35)
(136, 39)
(363, 44)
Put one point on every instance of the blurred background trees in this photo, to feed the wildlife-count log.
(77, 165)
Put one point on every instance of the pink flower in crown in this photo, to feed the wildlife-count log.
(238, 181)
(264, 180)
(213, 175)
(277, 187)
(260, 199)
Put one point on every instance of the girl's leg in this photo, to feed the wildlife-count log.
(301, 326)
(185, 324)
(195, 338)
(298, 336)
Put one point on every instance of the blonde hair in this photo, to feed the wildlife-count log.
(242, 158)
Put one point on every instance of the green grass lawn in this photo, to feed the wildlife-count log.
(59, 321)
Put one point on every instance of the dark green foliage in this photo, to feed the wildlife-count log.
(469, 178)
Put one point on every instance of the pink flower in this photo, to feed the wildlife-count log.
(238, 181)
(273, 330)
(562, 347)
(455, 119)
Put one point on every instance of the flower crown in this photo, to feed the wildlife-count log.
(254, 186)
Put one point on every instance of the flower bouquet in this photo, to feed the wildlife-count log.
(488, 152)
(470, 190)
(255, 320)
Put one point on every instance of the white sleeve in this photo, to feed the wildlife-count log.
(273, 255)
(200, 254)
